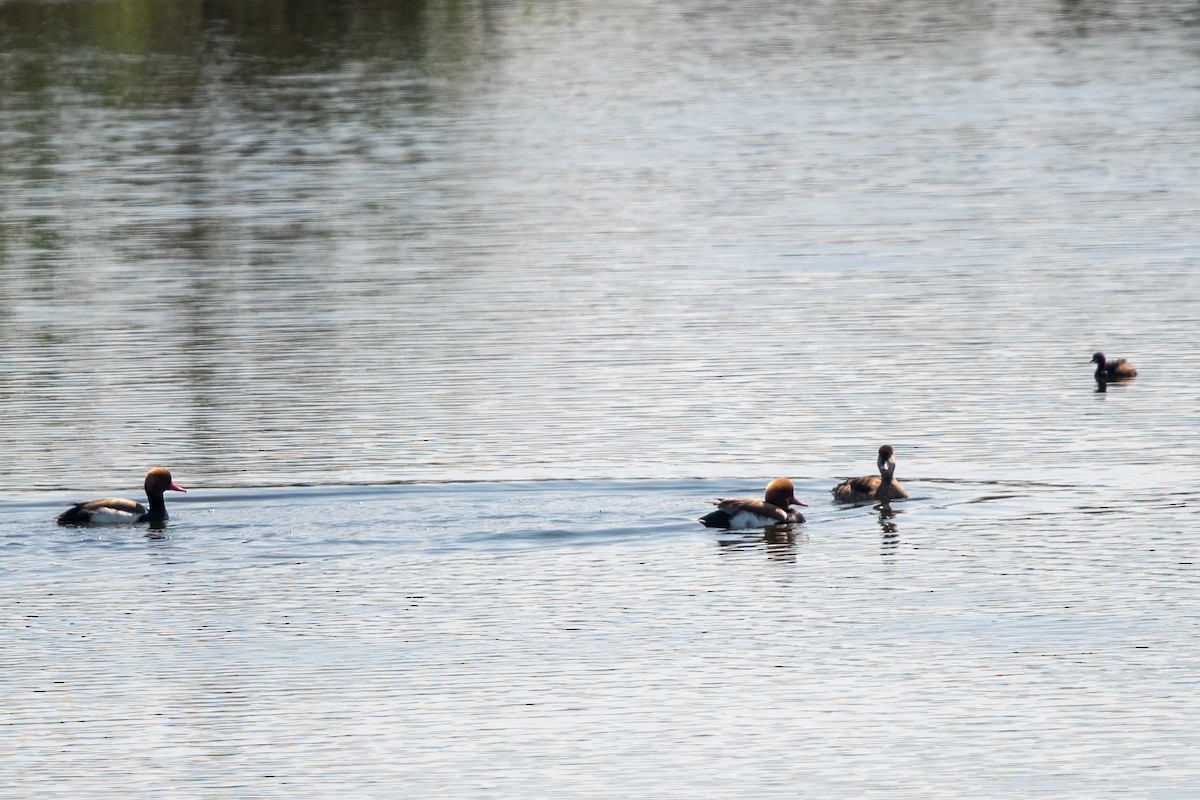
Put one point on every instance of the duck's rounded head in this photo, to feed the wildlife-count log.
(158, 480)
(781, 492)
(1098, 357)
(886, 462)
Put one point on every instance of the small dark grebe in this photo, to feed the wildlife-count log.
(1116, 370)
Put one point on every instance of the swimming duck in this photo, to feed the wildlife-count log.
(773, 509)
(882, 487)
(116, 511)
(1116, 370)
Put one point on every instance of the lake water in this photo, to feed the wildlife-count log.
(453, 317)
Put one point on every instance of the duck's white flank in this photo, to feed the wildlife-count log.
(112, 516)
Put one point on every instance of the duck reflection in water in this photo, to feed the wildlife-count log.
(779, 541)
(889, 539)
(886, 516)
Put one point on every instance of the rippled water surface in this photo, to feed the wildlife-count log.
(452, 317)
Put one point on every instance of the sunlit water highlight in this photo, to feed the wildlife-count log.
(578, 637)
(453, 318)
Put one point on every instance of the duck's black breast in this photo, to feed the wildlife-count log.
(154, 515)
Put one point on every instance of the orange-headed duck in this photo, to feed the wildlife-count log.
(882, 487)
(773, 509)
(115, 511)
(1118, 369)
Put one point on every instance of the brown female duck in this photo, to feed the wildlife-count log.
(882, 487)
